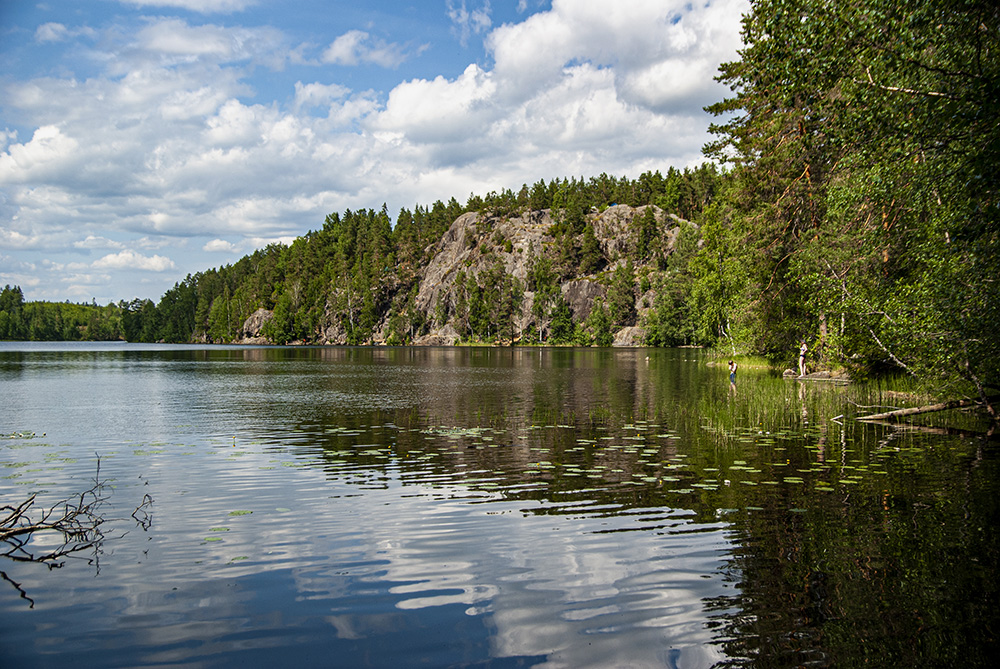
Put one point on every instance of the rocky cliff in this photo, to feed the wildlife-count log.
(478, 243)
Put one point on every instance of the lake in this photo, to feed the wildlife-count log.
(486, 507)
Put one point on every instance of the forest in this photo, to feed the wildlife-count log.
(361, 269)
(848, 200)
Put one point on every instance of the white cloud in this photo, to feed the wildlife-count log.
(202, 6)
(585, 87)
(128, 259)
(219, 246)
(466, 23)
(94, 242)
(173, 41)
(245, 245)
(440, 110)
(57, 32)
(46, 155)
(308, 96)
(51, 32)
(357, 47)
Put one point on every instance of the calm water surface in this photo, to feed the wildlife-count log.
(487, 507)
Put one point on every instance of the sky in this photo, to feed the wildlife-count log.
(145, 140)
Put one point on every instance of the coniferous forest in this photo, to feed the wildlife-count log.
(850, 201)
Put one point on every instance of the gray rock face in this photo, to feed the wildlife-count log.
(473, 244)
(630, 336)
(446, 336)
(253, 325)
(615, 225)
(580, 295)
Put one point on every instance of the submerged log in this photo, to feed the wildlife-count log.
(927, 408)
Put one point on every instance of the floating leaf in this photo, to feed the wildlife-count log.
(241, 512)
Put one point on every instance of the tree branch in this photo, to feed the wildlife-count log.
(896, 89)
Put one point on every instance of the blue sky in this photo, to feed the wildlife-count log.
(142, 140)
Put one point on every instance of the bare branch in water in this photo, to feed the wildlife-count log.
(77, 520)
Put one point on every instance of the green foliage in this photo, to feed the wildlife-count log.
(598, 325)
(591, 258)
(621, 296)
(561, 329)
(646, 236)
(50, 321)
(862, 213)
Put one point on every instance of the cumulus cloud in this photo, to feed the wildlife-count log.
(357, 47)
(128, 259)
(585, 86)
(219, 245)
(47, 153)
(245, 245)
(659, 51)
(14, 239)
(308, 96)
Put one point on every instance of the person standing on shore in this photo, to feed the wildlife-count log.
(732, 374)
(802, 358)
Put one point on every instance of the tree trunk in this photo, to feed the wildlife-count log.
(928, 408)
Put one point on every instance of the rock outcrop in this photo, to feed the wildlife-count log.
(477, 244)
(580, 295)
(630, 336)
(252, 326)
(473, 243)
(445, 336)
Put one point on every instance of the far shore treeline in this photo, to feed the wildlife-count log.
(856, 209)
(360, 271)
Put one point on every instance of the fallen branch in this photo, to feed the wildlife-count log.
(928, 408)
(78, 519)
(941, 431)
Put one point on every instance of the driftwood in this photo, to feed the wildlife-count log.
(928, 408)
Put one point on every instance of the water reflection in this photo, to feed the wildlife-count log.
(571, 507)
